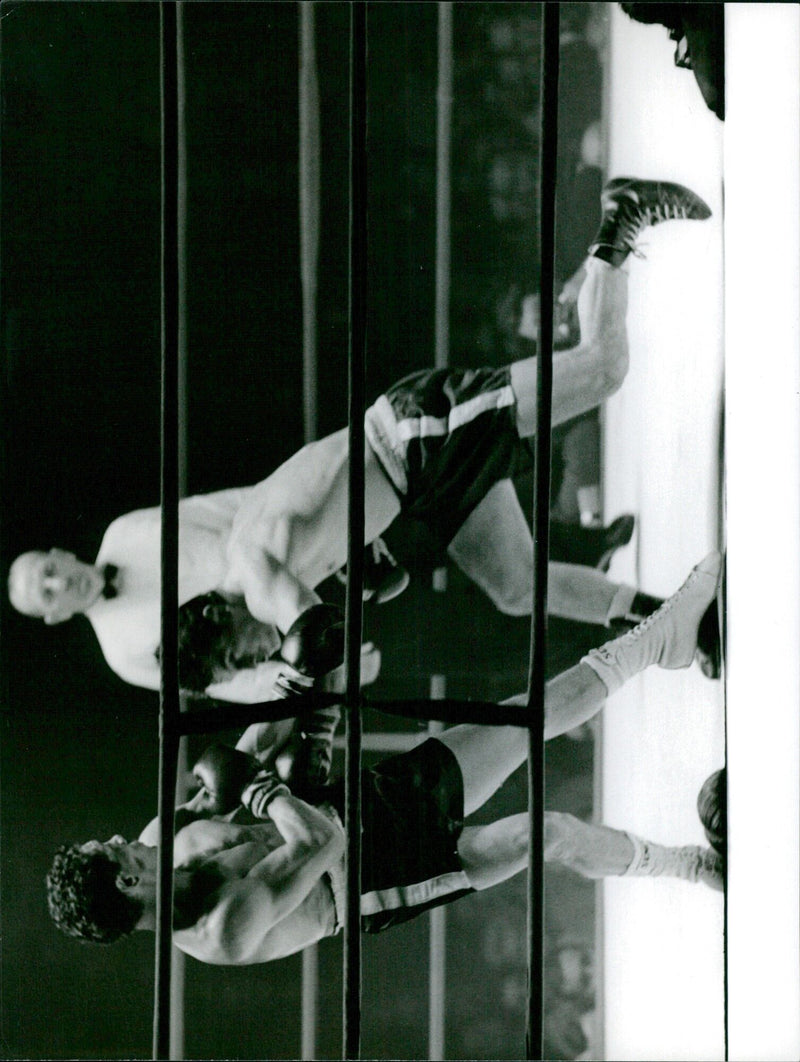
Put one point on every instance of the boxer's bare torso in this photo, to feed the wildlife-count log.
(218, 858)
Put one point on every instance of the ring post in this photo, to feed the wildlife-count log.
(309, 205)
(541, 518)
(355, 537)
(171, 333)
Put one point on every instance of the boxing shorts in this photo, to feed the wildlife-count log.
(444, 437)
(412, 810)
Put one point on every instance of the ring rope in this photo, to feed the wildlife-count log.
(172, 277)
(173, 723)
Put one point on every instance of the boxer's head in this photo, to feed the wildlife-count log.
(53, 586)
(98, 892)
(217, 638)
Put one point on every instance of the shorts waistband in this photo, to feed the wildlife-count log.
(380, 428)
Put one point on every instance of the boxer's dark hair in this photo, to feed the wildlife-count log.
(83, 898)
(202, 640)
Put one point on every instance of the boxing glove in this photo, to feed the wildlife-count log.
(230, 778)
(224, 773)
(712, 809)
(314, 644)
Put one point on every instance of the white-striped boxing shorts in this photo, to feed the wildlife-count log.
(444, 437)
(412, 812)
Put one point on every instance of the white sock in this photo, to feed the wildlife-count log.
(654, 860)
(619, 660)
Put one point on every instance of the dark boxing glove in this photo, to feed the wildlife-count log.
(224, 773)
(231, 778)
(314, 644)
(713, 811)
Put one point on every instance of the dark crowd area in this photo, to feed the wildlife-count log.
(80, 445)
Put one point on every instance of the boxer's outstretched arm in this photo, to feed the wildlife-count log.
(250, 685)
(255, 684)
(249, 907)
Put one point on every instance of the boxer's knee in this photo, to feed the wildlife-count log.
(562, 840)
(512, 600)
(609, 353)
(615, 366)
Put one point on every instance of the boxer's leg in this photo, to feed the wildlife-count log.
(491, 854)
(488, 755)
(591, 372)
(584, 594)
(328, 510)
(596, 851)
(494, 549)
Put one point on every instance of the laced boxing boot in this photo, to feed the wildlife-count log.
(709, 638)
(667, 637)
(631, 205)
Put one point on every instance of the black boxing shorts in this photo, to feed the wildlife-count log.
(412, 811)
(444, 437)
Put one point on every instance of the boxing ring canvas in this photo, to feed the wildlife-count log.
(633, 968)
(679, 443)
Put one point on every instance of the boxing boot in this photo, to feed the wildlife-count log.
(667, 637)
(631, 205)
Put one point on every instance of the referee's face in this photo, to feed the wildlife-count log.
(53, 585)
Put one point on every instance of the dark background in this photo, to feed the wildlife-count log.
(80, 408)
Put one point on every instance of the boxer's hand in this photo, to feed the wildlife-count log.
(223, 773)
(261, 791)
(291, 683)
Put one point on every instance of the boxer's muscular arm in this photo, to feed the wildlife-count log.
(250, 685)
(249, 907)
(272, 593)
